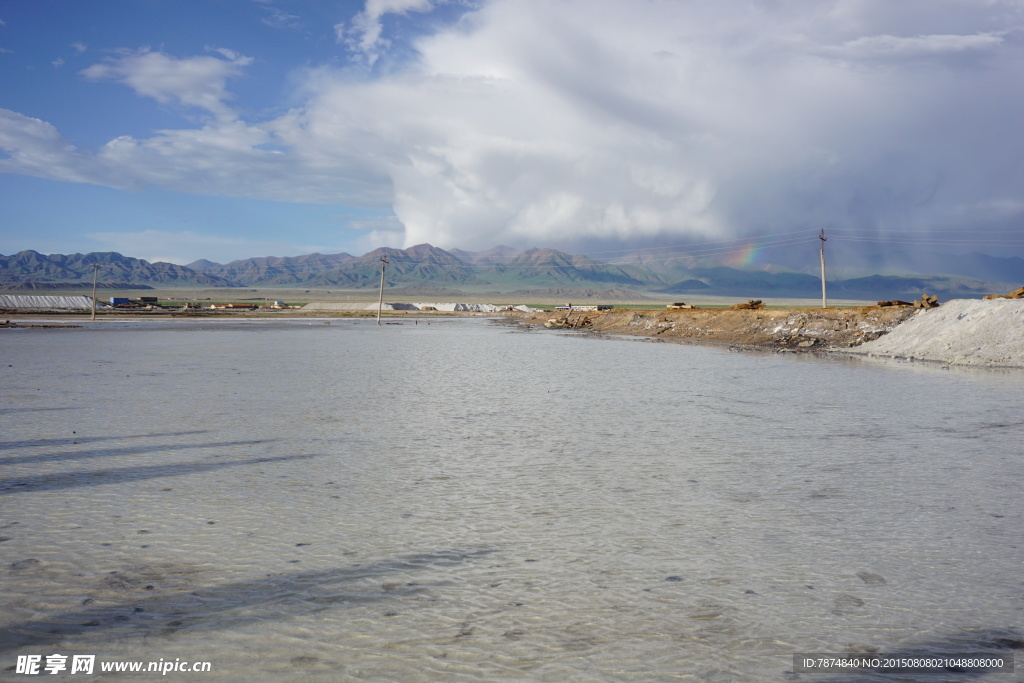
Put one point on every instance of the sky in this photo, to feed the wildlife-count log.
(223, 129)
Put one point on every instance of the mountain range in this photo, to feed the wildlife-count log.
(27, 267)
(501, 269)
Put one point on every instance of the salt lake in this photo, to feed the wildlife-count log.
(466, 501)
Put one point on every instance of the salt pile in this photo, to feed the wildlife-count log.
(960, 332)
(45, 302)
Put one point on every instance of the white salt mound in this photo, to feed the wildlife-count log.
(45, 302)
(959, 332)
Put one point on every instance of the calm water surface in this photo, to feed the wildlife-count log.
(461, 501)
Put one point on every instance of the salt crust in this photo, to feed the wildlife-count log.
(480, 308)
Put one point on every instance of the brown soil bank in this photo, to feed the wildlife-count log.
(794, 329)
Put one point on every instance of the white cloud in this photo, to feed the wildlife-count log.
(36, 148)
(363, 32)
(223, 158)
(379, 238)
(281, 19)
(531, 122)
(615, 120)
(195, 82)
(57, 63)
(887, 46)
(241, 160)
(79, 47)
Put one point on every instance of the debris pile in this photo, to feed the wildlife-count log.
(751, 304)
(1015, 294)
(926, 301)
(568, 323)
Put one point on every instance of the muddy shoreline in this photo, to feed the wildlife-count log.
(784, 330)
(793, 330)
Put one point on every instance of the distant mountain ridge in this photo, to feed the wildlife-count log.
(272, 270)
(502, 269)
(32, 285)
(421, 264)
(550, 266)
(31, 266)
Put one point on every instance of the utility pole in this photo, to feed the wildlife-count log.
(95, 272)
(380, 303)
(824, 298)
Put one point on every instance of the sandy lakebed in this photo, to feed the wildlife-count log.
(470, 501)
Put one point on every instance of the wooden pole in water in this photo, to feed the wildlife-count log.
(95, 271)
(380, 303)
(824, 298)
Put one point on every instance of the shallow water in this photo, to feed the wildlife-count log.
(464, 501)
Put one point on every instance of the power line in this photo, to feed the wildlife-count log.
(693, 244)
(935, 242)
(902, 230)
(683, 253)
(692, 247)
(724, 250)
(731, 246)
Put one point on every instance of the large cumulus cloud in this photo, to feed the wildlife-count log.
(631, 119)
(529, 122)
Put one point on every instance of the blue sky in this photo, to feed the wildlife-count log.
(222, 129)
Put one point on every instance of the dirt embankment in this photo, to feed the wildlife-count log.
(793, 329)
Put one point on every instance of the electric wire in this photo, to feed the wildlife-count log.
(699, 250)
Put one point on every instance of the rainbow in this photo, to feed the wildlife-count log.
(745, 255)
